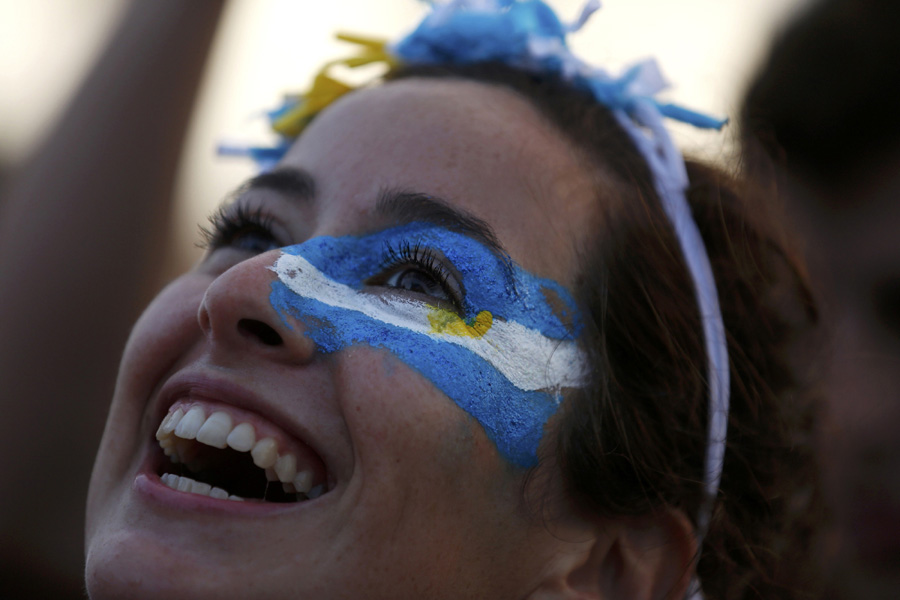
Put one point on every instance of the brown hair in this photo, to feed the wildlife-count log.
(634, 440)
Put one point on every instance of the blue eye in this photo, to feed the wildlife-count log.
(240, 228)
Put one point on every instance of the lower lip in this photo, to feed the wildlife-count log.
(150, 488)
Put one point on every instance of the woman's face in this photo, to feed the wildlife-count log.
(384, 323)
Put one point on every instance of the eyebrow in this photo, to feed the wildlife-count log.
(404, 207)
(398, 206)
(291, 182)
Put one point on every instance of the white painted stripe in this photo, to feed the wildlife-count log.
(527, 358)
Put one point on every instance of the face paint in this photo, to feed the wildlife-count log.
(504, 361)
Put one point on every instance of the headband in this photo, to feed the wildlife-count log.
(527, 35)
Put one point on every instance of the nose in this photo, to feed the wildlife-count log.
(236, 315)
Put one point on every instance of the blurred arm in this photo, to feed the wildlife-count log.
(82, 231)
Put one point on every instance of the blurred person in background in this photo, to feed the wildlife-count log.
(822, 124)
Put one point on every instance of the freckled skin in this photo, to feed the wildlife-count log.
(424, 506)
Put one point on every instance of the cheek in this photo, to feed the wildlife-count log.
(433, 478)
(513, 419)
(404, 418)
(164, 333)
(166, 330)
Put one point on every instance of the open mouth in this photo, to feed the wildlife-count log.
(213, 453)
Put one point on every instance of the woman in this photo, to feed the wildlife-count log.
(449, 347)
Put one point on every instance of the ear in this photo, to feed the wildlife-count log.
(650, 557)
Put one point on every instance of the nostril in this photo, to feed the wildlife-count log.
(260, 331)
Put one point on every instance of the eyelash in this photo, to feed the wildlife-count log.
(407, 255)
(229, 224)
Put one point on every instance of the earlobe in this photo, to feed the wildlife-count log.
(650, 557)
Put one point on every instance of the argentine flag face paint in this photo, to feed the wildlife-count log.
(504, 361)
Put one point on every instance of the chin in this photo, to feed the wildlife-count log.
(135, 565)
(129, 565)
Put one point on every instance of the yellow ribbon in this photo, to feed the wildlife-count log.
(326, 89)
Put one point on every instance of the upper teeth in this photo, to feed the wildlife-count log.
(218, 430)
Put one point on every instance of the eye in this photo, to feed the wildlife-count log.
(416, 280)
(421, 272)
(241, 228)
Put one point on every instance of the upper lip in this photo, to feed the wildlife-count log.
(199, 384)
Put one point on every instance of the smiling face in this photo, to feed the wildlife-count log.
(384, 323)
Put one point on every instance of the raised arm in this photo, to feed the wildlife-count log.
(82, 227)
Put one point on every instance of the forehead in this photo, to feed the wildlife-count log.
(479, 147)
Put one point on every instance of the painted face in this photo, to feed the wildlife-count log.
(342, 400)
(502, 353)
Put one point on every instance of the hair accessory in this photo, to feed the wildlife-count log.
(527, 34)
